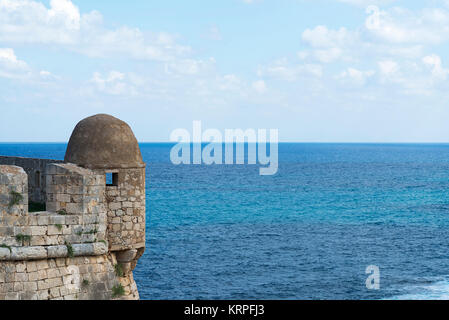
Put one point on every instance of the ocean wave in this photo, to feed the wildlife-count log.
(437, 290)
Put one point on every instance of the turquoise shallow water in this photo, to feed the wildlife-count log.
(309, 232)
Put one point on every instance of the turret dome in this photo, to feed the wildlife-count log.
(103, 142)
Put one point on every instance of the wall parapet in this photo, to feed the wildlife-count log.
(61, 253)
(35, 169)
(80, 221)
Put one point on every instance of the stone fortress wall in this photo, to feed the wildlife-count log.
(89, 239)
(35, 168)
(126, 209)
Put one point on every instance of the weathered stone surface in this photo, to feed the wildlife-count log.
(13, 194)
(126, 255)
(5, 254)
(69, 251)
(100, 248)
(126, 210)
(83, 278)
(35, 169)
(28, 253)
(57, 251)
(102, 141)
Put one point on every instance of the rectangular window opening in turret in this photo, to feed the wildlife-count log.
(111, 179)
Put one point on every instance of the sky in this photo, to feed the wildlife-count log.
(316, 70)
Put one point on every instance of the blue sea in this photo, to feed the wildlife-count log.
(309, 232)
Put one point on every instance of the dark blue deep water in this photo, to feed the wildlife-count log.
(309, 232)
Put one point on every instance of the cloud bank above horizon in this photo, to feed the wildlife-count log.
(319, 71)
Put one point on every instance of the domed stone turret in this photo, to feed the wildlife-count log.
(107, 146)
(98, 199)
(101, 142)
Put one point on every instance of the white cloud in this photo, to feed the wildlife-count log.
(403, 26)
(322, 37)
(229, 82)
(24, 21)
(328, 45)
(48, 76)
(260, 86)
(355, 77)
(396, 32)
(11, 67)
(130, 42)
(27, 21)
(388, 67)
(8, 59)
(328, 55)
(190, 66)
(434, 62)
(282, 69)
(115, 83)
(394, 41)
(67, 12)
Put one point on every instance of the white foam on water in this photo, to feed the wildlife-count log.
(438, 290)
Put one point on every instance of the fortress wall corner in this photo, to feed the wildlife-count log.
(61, 253)
(125, 201)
